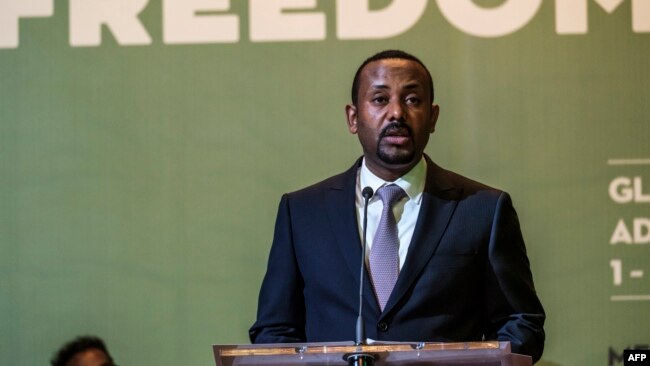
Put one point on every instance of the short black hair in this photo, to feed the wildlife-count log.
(78, 345)
(387, 54)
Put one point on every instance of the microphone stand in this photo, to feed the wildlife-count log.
(361, 358)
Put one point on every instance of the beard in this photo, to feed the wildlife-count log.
(397, 156)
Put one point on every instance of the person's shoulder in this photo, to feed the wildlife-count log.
(470, 184)
(341, 181)
(467, 187)
(334, 182)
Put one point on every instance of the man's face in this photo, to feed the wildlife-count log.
(393, 116)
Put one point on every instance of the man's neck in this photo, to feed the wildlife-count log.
(391, 173)
(412, 182)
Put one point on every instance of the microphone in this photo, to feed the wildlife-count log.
(367, 193)
(360, 358)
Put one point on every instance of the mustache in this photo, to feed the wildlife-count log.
(393, 127)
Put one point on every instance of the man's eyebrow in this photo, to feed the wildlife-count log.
(413, 85)
(410, 86)
(379, 86)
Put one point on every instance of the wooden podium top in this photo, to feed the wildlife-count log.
(434, 354)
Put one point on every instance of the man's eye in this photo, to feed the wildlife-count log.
(379, 99)
(413, 100)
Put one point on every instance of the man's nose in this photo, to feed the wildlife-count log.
(396, 112)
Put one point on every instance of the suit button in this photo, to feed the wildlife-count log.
(383, 326)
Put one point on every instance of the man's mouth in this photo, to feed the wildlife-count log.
(396, 140)
(396, 135)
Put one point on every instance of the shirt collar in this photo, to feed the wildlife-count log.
(412, 182)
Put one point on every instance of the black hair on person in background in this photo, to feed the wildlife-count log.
(78, 345)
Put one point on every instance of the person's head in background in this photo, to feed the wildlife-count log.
(83, 351)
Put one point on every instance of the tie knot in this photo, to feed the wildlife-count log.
(390, 194)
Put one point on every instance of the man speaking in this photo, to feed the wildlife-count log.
(446, 258)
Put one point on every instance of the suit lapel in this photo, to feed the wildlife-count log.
(439, 201)
(341, 211)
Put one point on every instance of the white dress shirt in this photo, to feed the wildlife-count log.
(405, 211)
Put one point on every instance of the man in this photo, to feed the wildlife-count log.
(83, 351)
(447, 260)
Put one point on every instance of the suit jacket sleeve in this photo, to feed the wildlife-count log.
(514, 312)
(281, 308)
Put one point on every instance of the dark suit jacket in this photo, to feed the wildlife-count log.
(466, 275)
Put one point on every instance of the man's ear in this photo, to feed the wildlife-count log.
(435, 111)
(351, 114)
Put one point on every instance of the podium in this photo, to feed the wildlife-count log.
(386, 354)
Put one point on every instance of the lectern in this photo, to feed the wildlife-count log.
(385, 354)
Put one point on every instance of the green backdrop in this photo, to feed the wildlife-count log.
(139, 182)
